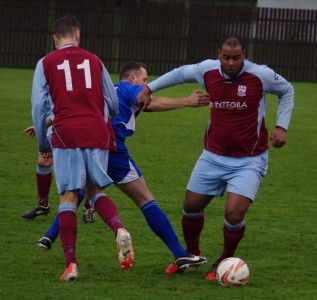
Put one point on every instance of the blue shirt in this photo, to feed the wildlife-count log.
(124, 124)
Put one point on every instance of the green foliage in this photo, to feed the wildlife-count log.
(280, 241)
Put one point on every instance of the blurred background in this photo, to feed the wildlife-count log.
(165, 34)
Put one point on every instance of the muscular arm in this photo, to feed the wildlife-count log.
(184, 74)
(195, 99)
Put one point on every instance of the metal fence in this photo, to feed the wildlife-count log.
(162, 35)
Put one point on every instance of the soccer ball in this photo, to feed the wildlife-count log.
(233, 271)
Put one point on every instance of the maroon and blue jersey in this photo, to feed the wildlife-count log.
(236, 127)
(81, 96)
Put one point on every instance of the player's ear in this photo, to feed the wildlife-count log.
(131, 78)
(219, 53)
(55, 41)
(77, 36)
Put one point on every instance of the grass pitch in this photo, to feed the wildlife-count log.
(280, 240)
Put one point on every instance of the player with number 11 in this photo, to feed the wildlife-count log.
(74, 85)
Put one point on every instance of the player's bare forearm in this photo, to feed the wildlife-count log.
(144, 98)
(195, 99)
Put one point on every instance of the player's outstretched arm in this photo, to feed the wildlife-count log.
(196, 99)
(144, 98)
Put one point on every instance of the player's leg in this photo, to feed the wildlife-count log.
(70, 174)
(233, 229)
(160, 224)
(242, 188)
(68, 232)
(107, 211)
(43, 181)
(88, 213)
(234, 225)
(128, 177)
(97, 180)
(205, 183)
(243, 181)
(155, 217)
(193, 219)
(51, 235)
(105, 207)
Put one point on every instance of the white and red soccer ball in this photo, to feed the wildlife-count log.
(233, 271)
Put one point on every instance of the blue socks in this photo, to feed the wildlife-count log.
(162, 227)
(155, 218)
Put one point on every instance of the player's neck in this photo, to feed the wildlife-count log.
(67, 42)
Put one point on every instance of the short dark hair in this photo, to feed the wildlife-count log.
(66, 25)
(232, 40)
(130, 66)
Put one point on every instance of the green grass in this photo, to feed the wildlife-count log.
(280, 241)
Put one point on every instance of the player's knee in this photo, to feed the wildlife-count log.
(195, 203)
(44, 162)
(234, 216)
(191, 207)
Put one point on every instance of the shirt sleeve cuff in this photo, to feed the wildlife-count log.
(281, 128)
(149, 89)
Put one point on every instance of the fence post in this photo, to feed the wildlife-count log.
(51, 19)
(253, 29)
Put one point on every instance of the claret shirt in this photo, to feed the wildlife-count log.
(81, 95)
(236, 127)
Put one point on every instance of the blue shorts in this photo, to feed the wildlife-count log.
(214, 173)
(122, 168)
(76, 169)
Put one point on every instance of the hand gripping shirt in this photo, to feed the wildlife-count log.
(82, 98)
(237, 104)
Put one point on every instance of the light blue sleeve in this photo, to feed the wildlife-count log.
(184, 74)
(109, 94)
(40, 105)
(275, 84)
